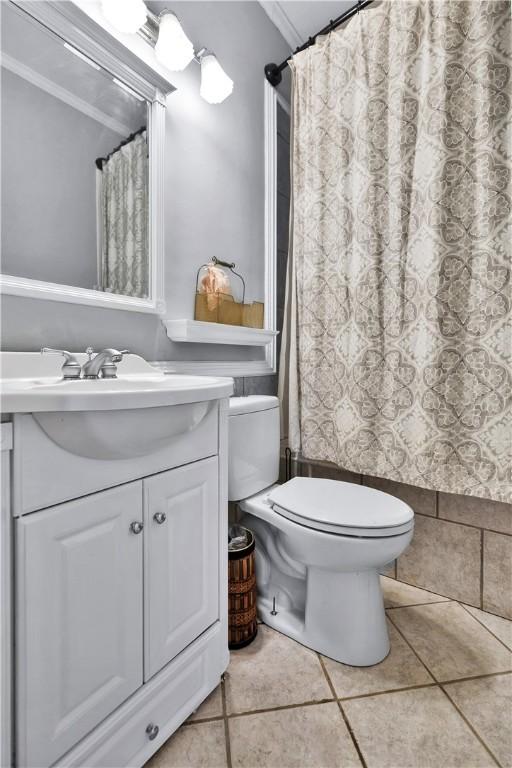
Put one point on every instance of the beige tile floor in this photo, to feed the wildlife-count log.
(441, 699)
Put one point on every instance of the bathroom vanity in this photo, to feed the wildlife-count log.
(114, 559)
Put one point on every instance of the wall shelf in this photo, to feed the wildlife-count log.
(217, 333)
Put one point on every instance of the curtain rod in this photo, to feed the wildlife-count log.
(273, 72)
(123, 143)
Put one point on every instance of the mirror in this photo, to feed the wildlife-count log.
(75, 196)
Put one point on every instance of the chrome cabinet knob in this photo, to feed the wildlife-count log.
(159, 517)
(152, 731)
(136, 527)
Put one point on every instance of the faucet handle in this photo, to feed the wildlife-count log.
(71, 368)
(109, 368)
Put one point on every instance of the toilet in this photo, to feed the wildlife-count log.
(320, 544)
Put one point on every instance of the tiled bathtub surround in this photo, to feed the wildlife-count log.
(462, 546)
(441, 699)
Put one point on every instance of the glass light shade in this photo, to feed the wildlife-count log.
(173, 49)
(125, 15)
(215, 84)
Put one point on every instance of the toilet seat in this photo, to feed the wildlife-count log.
(341, 508)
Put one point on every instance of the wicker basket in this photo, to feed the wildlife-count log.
(225, 308)
(243, 626)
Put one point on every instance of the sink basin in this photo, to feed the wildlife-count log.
(132, 415)
(120, 434)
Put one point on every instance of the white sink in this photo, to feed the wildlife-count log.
(130, 416)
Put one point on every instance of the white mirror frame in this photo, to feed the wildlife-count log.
(78, 29)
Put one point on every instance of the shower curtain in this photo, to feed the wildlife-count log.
(396, 354)
(123, 226)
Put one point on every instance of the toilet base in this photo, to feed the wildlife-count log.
(350, 629)
(326, 587)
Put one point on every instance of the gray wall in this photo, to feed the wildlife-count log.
(49, 185)
(214, 195)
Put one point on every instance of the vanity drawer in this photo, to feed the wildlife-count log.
(45, 474)
(165, 702)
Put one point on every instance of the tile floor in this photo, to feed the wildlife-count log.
(441, 699)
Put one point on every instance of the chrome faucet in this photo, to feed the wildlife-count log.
(104, 363)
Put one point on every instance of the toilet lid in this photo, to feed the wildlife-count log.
(344, 508)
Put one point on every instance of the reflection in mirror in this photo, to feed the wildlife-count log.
(74, 158)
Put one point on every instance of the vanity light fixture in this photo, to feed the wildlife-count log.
(82, 56)
(216, 85)
(173, 49)
(127, 16)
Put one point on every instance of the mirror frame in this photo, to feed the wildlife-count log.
(81, 31)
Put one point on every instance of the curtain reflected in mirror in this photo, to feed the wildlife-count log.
(122, 221)
(74, 159)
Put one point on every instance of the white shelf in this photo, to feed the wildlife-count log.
(217, 333)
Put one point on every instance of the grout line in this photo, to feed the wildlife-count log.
(433, 684)
(339, 699)
(485, 627)
(326, 675)
(469, 525)
(342, 712)
(475, 677)
(463, 524)
(352, 735)
(482, 569)
(278, 709)
(202, 720)
(422, 589)
(468, 723)
(413, 649)
(420, 605)
(225, 718)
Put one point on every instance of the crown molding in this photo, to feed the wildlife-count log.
(280, 19)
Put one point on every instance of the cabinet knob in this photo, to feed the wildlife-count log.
(136, 527)
(159, 517)
(152, 731)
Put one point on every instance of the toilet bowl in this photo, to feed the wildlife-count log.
(320, 544)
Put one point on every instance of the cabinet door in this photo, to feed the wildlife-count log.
(79, 614)
(181, 562)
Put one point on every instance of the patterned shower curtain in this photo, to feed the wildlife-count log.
(396, 355)
(124, 228)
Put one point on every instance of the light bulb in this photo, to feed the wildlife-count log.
(215, 84)
(126, 16)
(173, 49)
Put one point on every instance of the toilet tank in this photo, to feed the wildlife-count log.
(254, 442)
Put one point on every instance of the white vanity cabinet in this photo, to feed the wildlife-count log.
(81, 612)
(119, 593)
